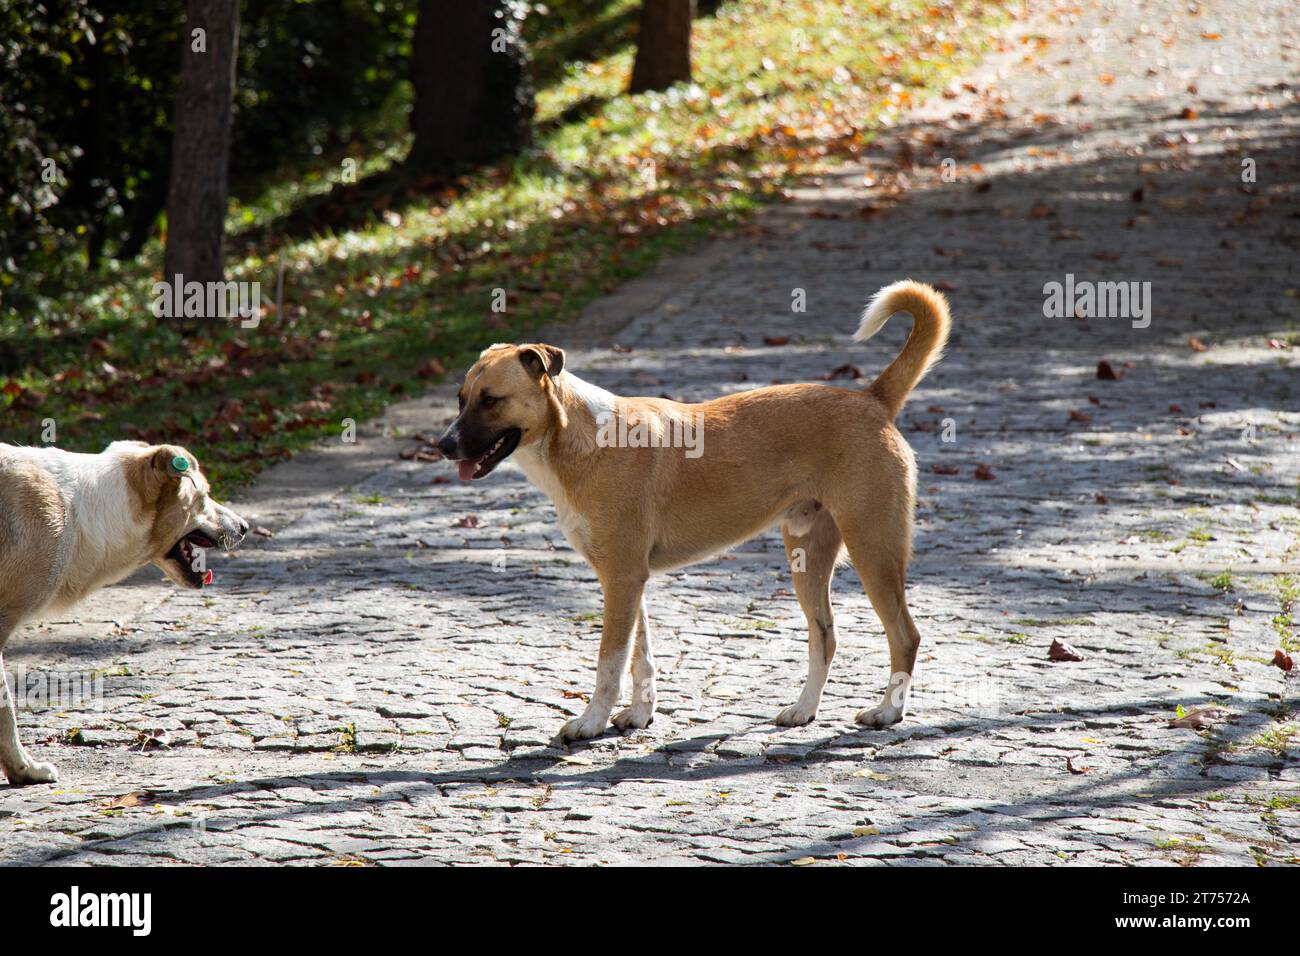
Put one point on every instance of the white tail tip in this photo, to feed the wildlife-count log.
(878, 311)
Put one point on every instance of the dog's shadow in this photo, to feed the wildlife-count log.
(554, 769)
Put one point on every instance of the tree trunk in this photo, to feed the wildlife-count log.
(196, 199)
(663, 45)
(473, 95)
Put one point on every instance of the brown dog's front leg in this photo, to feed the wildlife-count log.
(622, 606)
(642, 711)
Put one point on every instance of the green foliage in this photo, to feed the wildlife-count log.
(92, 86)
(389, 281)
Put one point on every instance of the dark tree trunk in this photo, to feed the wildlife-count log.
(196, 198)
(663, 45)
(473, 95)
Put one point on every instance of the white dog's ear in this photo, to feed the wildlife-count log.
(171, 462)
(542, 360)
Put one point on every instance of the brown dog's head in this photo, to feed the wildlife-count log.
(175, 504)
(505, 403)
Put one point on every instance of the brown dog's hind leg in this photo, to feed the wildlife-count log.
(813, 555)
(880, 549)
(885, 584)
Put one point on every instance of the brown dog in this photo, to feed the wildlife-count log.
(644, 485)
(70, 524)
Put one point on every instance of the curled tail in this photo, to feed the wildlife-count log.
(930, 322)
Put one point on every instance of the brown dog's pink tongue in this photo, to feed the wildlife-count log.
(207, 578)
(467, 468)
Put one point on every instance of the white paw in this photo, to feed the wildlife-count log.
(584, 727)
(796, 715)
(882, 716)
(635, 717)
(33, 773)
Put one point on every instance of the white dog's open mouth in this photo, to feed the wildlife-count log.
(183, 556)
(499, 451)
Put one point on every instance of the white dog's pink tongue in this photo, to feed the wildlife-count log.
(467, 468)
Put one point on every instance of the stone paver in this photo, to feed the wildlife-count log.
(380, 681)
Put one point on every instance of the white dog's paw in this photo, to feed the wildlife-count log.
(33, 773)
(635, 717)
(584, 727)
(884, 715)
(796, 715)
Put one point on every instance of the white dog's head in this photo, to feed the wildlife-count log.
(175, 503)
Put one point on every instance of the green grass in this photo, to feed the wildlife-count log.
(388, 285)
(1288, 589)
(1276, 739)
(347, 740)
(1276, 803)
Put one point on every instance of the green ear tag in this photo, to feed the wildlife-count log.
(181, 463)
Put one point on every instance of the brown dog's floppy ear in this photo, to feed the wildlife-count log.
(542, 360)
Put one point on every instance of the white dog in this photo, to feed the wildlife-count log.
(70, 524)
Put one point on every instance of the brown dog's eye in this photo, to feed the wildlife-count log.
(487, 401)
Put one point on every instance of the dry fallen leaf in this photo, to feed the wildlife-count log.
(1199, 718)
(844, 371)
(127, 800)
(1196, 345)
(1061, 651)
(1282, 659)
(1080, 768)
(984, 472)
(945, 469)
(154, 738)
(1107, 373)
(870, 774)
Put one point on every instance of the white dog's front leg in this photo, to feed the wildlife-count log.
(622, 605)
(18, 766)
